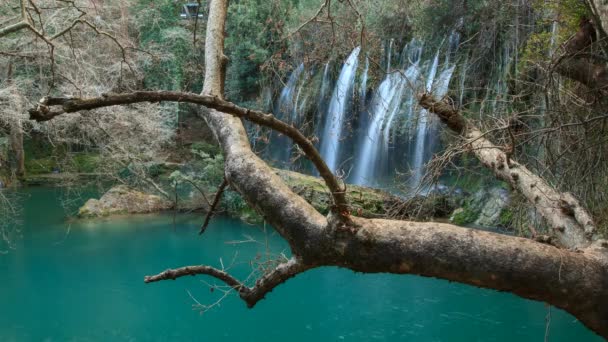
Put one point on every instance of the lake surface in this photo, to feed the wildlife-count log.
(83, 281)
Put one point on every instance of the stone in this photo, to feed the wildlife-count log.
(123, 200)
(496, 201)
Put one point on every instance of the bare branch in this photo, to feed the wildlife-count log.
(213, 206)
(251, 295)
(13, 28)
(69, 105)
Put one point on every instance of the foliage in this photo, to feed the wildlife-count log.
(254, 34)
(466, 216)
(506, 218)
(557, 22)
(175, 60)
(204, 148)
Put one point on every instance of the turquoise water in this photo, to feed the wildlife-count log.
(84, 282)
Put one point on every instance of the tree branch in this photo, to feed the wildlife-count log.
(69, 105)
(571, 223)
(13, 28)
(251, 295)
(213, 206)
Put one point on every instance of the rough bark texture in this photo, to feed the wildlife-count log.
(215, 60)
(599, 8)
(571, 223)
(574, 281)
(575, 63)
(594, 76)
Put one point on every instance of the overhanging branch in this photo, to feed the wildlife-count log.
(251, 295)
(571, 222)
(44, 112)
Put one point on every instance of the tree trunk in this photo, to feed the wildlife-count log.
(599, 8)
(17, 153)
(575, 63)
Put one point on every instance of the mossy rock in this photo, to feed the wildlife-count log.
(364, 202)
(121, 200)
(464, 216)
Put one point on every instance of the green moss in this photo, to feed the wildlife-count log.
(466, 216)
(567, 13)
(506, 218)
(204, 147)
(41, 165)
(86, 162)
(250, 216)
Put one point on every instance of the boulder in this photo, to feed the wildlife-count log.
(123, 200)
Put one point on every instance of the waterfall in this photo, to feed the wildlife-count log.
(334, 119)
(325, 83)
(322, 100)
(423, 118)
(369, 152)
(363, 91)
(386, 103)
(439, 88)
(391, 132)
(286, 109)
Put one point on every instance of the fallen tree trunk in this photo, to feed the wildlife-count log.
(571, 223)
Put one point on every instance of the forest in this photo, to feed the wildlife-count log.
(425, 170)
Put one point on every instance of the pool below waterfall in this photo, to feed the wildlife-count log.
(83, 281)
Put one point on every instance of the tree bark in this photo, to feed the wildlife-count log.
(575, 63)
(599, 8)
(583, 70)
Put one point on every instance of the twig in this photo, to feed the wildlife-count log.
(213, 207)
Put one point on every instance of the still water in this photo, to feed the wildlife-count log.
(83, 281)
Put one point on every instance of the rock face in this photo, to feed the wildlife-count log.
(123, 200)
(371, 203)
(492, 208)
(486, 208)
(364, 202)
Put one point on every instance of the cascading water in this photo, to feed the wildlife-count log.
(286, 109)
(423, 150)
(363, 89)
(334, 120)
(390, 131)
(427, 126)
(321, 102)
(389, 55)
(387, 101)
(423, 117)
